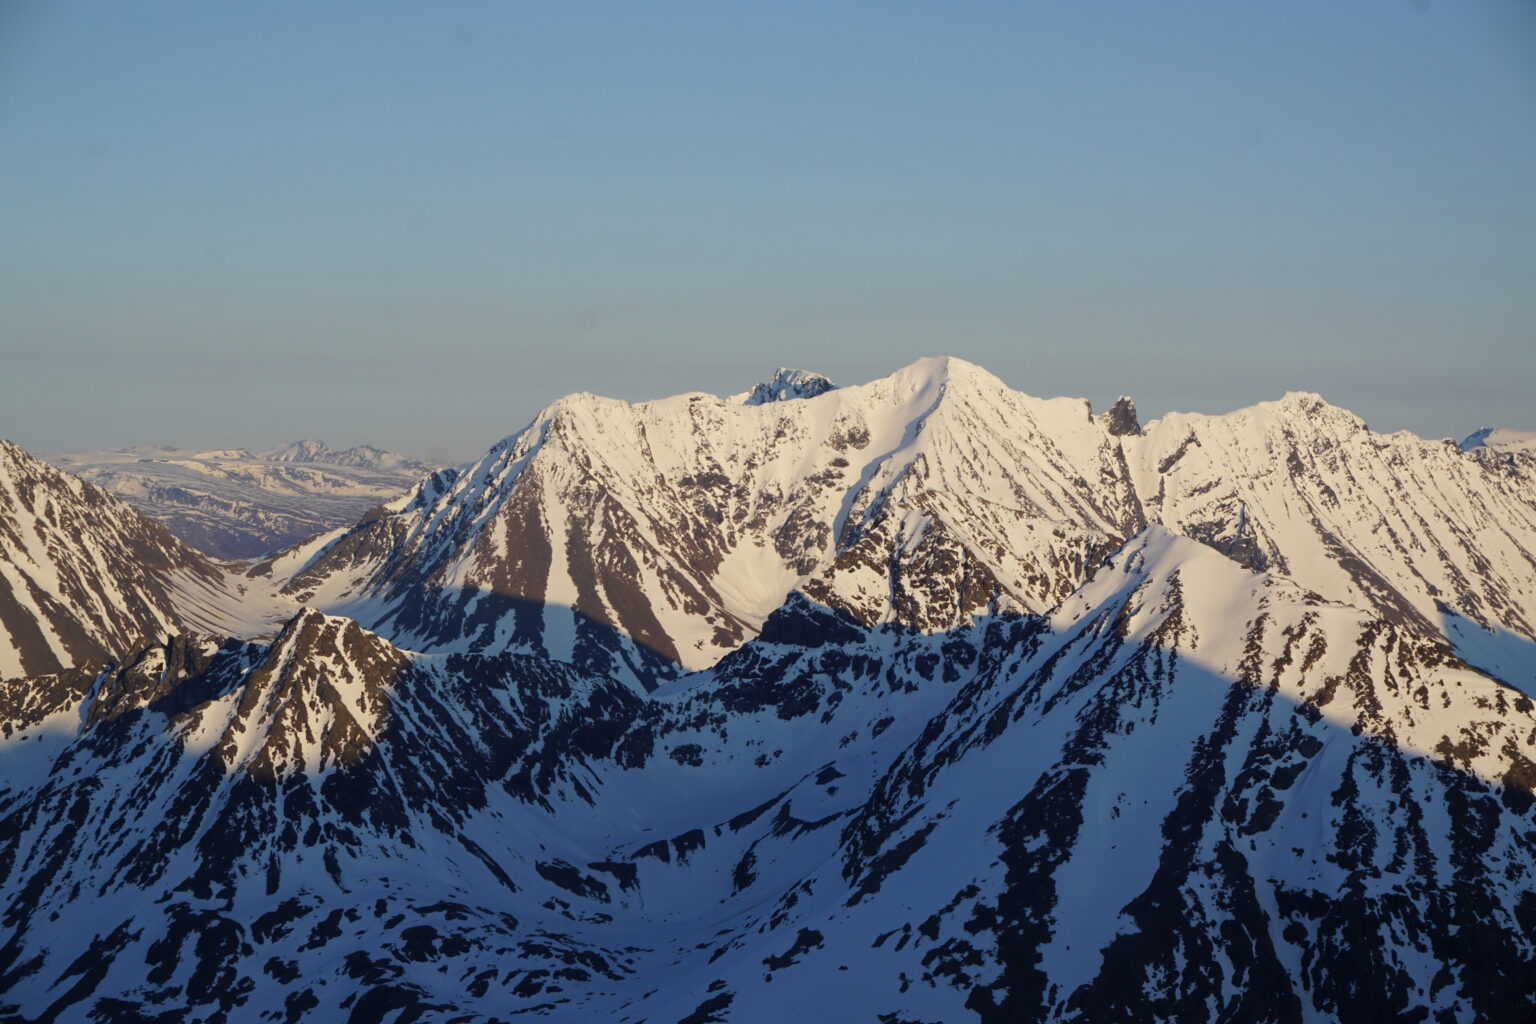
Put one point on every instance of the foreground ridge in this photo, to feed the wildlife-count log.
(877, 820)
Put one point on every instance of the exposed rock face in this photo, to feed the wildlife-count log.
(232, 503)
(998, 714)
(1121, 419)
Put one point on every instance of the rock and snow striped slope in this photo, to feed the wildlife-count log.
(83, 576)
(634, 538)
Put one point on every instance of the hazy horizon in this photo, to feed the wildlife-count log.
(343, 442)
(414, 227)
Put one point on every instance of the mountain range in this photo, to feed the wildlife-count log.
(919, 700)
(234, 503)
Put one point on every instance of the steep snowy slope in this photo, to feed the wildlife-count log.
(234, 503)
(1395, 523)
(83, 576)
(1190, 792)
(636, 538)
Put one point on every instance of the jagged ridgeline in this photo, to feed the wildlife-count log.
(921, 700)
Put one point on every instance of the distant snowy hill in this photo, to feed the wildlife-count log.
(919, 700)
(1501, 439)
(233, 503)
(362, 456)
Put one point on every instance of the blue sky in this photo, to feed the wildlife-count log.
(414, 224)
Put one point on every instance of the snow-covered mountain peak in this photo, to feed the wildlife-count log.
(1294, 414)
(1313, 407)
(305, 450)
(929, 372)
(1158, 552)
(21, 475)
(363, 456)
(14, 458)
(1162, 569)
(666, 532)
(1502, 439)
(926, 375)
(788, 383)
(314, 701)
(307, 615)
(165, 452)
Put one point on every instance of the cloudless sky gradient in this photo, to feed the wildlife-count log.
(414, 224)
